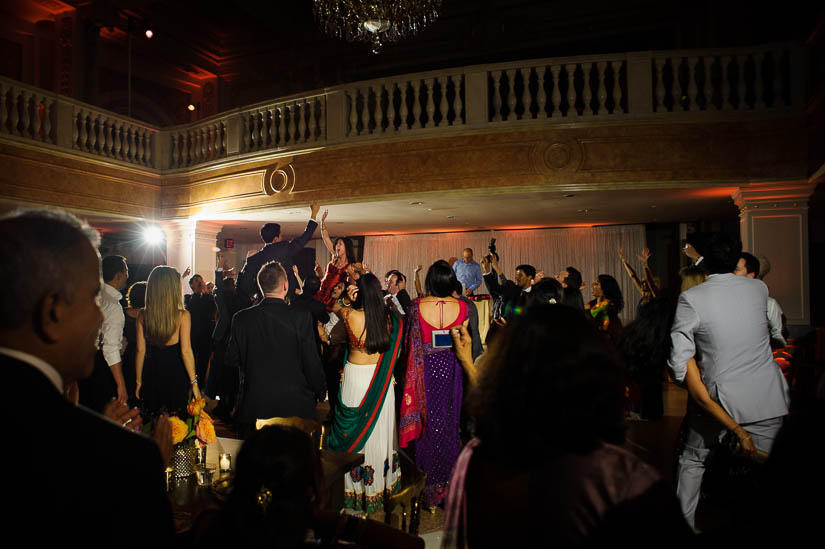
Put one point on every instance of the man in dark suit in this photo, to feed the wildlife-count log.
(78, 478)
(201, 307)
(396, 291)
(274, 349)
(275, 250)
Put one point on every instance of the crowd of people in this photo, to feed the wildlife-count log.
(520, 434)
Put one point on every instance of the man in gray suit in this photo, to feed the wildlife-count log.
(723, 323)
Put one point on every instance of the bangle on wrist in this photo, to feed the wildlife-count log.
(194, 381)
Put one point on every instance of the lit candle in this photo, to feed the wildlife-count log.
(225, 462)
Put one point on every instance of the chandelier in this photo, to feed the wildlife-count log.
(375, 22)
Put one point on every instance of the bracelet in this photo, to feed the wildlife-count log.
(194, 381)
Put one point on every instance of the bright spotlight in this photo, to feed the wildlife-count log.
(152, 235)
(149, 33)
(191, 107)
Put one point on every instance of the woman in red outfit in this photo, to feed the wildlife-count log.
(337, 268)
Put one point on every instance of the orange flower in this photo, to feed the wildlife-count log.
(204, 415)
(179, 430)
(205, 431)
(196, 406)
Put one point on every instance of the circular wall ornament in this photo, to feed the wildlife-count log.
(557, 156)
(279, 179)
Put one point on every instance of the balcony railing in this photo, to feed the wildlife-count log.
(661, 85)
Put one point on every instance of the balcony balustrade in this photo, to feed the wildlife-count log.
(640, 86)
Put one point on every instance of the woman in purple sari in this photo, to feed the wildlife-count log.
(431, 405)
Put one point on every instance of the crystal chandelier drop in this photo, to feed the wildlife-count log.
(375, 21)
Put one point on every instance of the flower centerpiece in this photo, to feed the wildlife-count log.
(198, 427)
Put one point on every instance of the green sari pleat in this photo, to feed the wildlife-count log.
(352, 426)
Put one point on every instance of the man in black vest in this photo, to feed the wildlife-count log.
(275, 250)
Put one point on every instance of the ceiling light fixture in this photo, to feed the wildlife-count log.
(153, 235)
(191, 107)
(149, 34)
(376, 22)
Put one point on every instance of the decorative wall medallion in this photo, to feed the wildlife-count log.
(557, 156)
(554, 157)
(278, 179)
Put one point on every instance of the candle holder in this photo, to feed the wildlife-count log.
(225, 462)
(200, 456)
(169, 476)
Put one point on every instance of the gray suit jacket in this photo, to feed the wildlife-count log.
(723, 323)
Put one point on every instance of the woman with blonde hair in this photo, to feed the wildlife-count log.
(164, 363)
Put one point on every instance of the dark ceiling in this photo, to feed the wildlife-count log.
(262, 49)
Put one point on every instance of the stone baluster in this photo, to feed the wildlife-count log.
(302, 128)
(428, 88)
(215, 152)
(511, 94)
(443, 110)
(222, 142)
(202, 144)
(678, 98)
(451, 105)
(741, 86)
(149, 139)
(404, 109)
(278, 123)
(770, 87)
(587, 91)
(601, 95)
(541, 92)
(106, 142)
(758, 84)
(84, 132)
(184, 149)
(610, 96)
(129, 152)
(244, 145)
(391, 111)
(212, 141)
(353, 112)
(269, 114)
(140, 145)
(48, 107)
(496, 99)
(322, 119)
(555, 96)
(26, 119)
(659, 64)
(255, 132)
(571, 89)
(416, 87)
(289, 125)
(702, 89)
(96, 134)
(692, 89)
(724, 65)
(174, 137)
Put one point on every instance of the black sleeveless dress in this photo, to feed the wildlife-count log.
(165, 384)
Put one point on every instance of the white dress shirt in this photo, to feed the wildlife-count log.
(38, 363)
(111, 332)
(775, 320)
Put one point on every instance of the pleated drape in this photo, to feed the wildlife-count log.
(592, 250)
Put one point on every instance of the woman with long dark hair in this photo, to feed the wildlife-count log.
(564, 480)
(342, 256)
(365, 414)
(606, 305)
(433, 388)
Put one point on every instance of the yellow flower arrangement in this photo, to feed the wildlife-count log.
(179, 430)
(196, 406)
(205, 430)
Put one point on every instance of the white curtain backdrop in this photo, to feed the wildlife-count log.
(592, 250)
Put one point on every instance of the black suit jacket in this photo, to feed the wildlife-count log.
(274, 348)
(282, 252)
(77, 478)
(227, 304)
